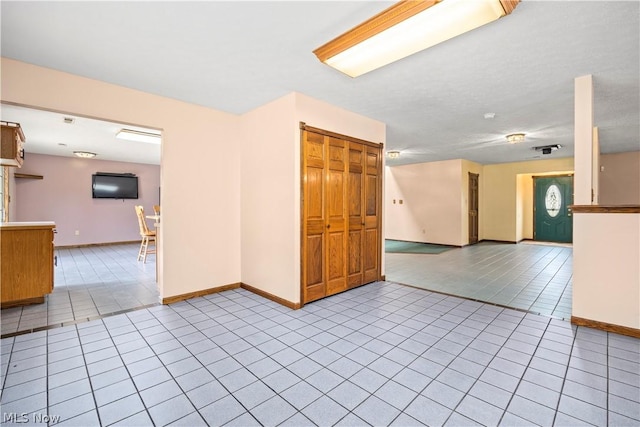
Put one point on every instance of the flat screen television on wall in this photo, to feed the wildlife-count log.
(114, 186)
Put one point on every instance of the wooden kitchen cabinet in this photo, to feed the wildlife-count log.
(11, 148)
(26, 262)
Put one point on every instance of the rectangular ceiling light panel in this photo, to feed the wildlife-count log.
(406, 28)
(135, 135)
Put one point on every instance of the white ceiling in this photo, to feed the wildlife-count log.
(47, 132)
(237, 55)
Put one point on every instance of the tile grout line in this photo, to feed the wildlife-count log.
(5, 375)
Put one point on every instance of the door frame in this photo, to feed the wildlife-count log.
(534, 177)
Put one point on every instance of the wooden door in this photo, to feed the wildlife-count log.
(552, 216)
(341, 221)
(473, 208)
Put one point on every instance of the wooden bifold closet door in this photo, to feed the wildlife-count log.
(341, 219)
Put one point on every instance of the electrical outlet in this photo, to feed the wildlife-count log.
(77, 232)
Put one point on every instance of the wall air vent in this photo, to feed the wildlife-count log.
(69, 120)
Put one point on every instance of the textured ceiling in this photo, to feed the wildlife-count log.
(236, 56)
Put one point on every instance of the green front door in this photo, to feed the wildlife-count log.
(553, 221)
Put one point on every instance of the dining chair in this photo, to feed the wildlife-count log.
(156, 210)
(146, 234)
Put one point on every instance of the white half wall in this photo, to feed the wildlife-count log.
(606, 268)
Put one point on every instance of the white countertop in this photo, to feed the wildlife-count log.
(27, 224)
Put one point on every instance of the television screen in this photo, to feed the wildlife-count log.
(114, 186)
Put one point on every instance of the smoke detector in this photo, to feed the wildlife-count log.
(547, 149)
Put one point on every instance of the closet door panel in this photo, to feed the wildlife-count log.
(336, 213)
(313, 243)
(315, 286)
(372, 215)
(356, 214)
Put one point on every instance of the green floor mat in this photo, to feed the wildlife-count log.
(401, 247)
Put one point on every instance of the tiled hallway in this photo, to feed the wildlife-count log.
(382, 354)
(532, 277)
(89, 282)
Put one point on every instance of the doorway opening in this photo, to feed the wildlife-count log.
(97, 239)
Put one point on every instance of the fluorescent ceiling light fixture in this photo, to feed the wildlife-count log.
(135, 135)
(406, 28)
(393, 154)
(85, 154)
(515, 138)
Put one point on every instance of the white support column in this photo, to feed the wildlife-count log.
(583, 142)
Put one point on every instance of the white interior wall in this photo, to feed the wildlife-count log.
(428, 203)
(200, 227)
(268, 193)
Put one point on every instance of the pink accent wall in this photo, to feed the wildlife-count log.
(64, 196)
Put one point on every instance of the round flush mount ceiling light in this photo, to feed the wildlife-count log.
(85, 154)
(393, 154)
(515, 138)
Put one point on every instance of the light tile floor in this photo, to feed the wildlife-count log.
(381, 354)
(531, 277)
(96, 281)
(89, 282)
